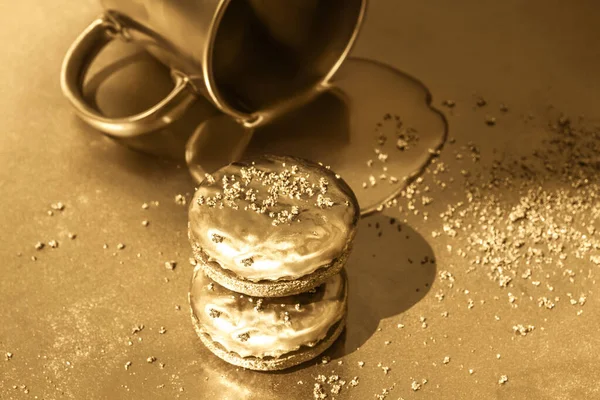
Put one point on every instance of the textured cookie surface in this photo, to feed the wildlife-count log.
(273, 218)
(274, 363)
(266, 328)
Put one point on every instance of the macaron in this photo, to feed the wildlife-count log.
(267, 334)
(272, 226)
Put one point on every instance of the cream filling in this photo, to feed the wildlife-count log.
(288, 252)
(276, 327)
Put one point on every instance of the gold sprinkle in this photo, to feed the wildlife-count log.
(217, 238)
(247, 262)
(170, 265)
(243, 337)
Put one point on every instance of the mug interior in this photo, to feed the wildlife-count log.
(268, 51)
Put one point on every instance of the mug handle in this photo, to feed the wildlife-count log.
(75, 65)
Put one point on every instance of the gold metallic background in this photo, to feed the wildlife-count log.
(67, 319)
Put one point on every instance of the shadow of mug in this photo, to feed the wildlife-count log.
(147, 82)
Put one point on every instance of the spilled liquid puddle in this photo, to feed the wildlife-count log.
(375, 127)
(126, 80)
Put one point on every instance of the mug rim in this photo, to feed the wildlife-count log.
(211, 85)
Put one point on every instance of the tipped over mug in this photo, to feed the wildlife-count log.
(252, 59)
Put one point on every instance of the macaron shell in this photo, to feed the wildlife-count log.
(297, 357)
(303, 227)
(283, 361)
(266, 327)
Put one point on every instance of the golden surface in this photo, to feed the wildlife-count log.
(71, 319)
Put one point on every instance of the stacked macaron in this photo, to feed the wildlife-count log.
(270, 237)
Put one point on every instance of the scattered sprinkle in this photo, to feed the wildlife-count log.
(415, 386)
(57, 206)
(319, 392)
(137, 329)
(449, 103)
(170, 265)
(523, 330)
